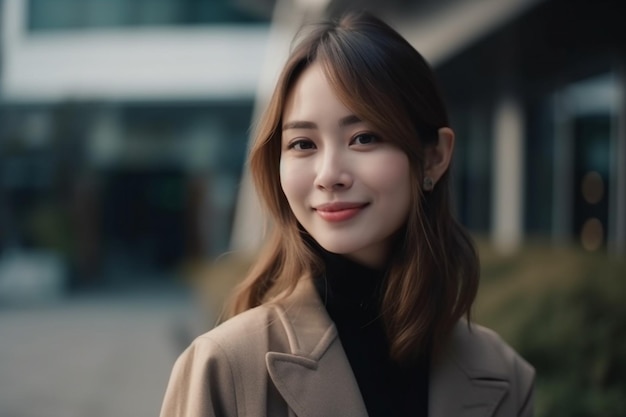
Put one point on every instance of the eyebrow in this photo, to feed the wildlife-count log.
(300, 124)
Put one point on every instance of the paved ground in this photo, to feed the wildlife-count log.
(92, 356)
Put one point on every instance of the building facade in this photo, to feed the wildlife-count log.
(124, 126)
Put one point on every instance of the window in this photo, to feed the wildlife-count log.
(46, 15)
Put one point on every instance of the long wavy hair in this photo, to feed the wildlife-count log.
(433, 274)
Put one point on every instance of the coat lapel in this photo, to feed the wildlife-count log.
(314, 377)
(466, 382)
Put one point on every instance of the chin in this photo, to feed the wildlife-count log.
(339, 248)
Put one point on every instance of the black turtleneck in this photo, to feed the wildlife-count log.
(351, 293)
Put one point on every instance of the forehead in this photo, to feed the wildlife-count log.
(312, 95)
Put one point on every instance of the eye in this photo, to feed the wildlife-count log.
(301, 145)
(365, 139)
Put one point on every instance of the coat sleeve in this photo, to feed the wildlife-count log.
(201, 383)
(525, 375)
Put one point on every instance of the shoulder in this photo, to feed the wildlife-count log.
(479, 349)
(482, 354)
(245, 332)
(219, 372)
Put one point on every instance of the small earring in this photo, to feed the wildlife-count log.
(428, 184)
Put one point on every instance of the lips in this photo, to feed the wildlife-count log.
(339, 211)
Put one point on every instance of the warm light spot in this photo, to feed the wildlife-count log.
(592, 234)
(592, 187)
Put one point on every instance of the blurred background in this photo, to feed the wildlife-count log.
(126, 212)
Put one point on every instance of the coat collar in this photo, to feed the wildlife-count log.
(469, 378)
(315, 379)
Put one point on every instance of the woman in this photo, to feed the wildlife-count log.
(356, 306)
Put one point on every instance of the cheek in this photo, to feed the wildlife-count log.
(293, 180)
(393, 182)
(281, 170)
(392, 174)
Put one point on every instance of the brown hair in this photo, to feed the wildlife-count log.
(433, 275)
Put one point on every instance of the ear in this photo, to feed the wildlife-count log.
(437, 157)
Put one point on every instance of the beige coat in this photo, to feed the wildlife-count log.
(285, 359)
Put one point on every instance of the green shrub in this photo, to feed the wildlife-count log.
(564, 310)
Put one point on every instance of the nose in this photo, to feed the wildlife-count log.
(333, 171)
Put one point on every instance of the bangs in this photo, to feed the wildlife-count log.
(361, 73)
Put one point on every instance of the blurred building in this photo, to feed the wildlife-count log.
(123, 130)
(536, 91)
(124, 123)
(539, 105)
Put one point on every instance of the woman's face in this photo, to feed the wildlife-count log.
(348, 186)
